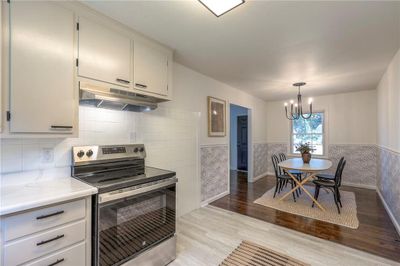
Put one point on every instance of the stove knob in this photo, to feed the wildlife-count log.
(89, 153)
(141, 149)
(80, 154)
(136, 150)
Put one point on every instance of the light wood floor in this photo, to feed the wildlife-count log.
(207, 235)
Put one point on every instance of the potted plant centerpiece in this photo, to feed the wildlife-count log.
(305, 149)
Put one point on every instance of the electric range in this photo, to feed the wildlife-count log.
(134, 213)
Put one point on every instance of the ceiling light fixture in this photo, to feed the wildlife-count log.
(220, 7)
(296, 111)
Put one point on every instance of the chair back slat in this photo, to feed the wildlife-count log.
(282, 157)
(339, 166)
(338, 176)
(275, 162)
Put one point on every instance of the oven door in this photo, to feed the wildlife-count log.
(132, 220)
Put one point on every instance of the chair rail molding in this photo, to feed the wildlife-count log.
(362, 161)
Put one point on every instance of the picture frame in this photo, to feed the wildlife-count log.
(216, 117)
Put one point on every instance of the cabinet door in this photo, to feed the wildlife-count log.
(150, 69)
(41, 67)
(104, 54)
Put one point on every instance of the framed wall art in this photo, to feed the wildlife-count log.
(216, 117)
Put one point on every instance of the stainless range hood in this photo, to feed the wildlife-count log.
(115, 99)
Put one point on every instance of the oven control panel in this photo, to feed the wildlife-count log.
(82, 154)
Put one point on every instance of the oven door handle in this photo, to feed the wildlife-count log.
(124, 193)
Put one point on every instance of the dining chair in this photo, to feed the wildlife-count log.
(331, 176)
(296, 173)
(331, 184)
(281, 177)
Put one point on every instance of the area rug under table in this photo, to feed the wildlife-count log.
(251, 254)
(302, 206)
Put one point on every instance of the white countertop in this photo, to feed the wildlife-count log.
(27, 190)
(314, 165)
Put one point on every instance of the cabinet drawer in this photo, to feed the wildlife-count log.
(31, 222)
(41, 244)
(72, 256)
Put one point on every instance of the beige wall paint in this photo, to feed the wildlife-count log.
(350, 118)
(389, 107)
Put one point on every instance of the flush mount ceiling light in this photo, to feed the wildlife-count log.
(220, 7)
(296, 109)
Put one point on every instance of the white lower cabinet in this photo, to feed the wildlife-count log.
(72, 256)
(43, 243)
(31, 222)
(62, 237)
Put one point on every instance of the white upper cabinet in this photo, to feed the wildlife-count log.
(104, 54)
(41, 68)
(150, 69)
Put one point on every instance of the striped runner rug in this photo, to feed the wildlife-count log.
(251, 254)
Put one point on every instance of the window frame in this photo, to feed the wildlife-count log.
(324, 136)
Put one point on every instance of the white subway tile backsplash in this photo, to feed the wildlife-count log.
(31, 157)
(11, 157)
(170, 137)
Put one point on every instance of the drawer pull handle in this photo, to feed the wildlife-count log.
(61, 127)
(49, 215)
(50, 240)
(57, 262)
(123, 81)
(140, 85)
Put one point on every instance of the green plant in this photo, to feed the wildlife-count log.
(304, 148)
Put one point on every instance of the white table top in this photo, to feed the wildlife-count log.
(27, 190)
(315, 165)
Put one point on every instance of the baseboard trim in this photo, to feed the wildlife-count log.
(258, 177)
(359, 185)
(394, 221)
(206, 202)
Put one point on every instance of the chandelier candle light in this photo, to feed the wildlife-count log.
(296, 109)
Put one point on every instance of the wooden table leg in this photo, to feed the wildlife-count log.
(300, 185)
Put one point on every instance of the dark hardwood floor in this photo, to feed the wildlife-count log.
(376, 233)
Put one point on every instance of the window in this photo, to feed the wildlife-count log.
(309, 131)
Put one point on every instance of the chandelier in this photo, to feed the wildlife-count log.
(296, 109)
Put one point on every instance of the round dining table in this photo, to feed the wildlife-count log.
(310, 171)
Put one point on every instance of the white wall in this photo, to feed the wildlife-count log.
(190, 93)
(235, 111)
(350, 118)
(389, 107)
(388, 131)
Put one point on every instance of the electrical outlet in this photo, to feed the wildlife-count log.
(47, 155)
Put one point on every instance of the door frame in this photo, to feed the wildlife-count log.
(250, 164)
(247, 140)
